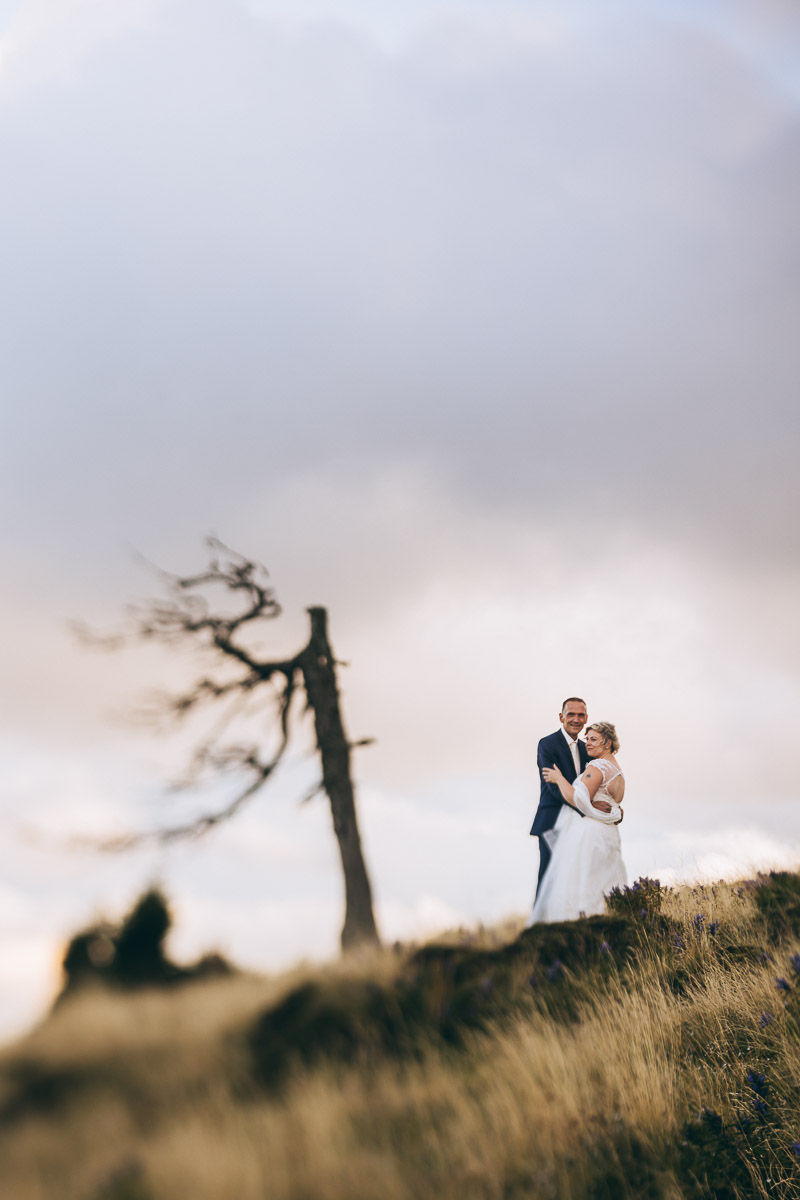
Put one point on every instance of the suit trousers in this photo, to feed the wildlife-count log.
(544, 859)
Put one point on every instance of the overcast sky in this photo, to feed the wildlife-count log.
(478, 323)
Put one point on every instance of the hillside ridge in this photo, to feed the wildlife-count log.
(653, 1051)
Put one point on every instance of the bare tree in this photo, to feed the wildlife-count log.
(239, 683)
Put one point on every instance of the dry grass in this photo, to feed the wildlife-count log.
(154, 1096)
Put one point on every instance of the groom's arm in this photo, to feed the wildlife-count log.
(545, 757)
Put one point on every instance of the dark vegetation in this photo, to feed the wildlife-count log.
(442, 995)
(447, 1000)
(132, 955)
(445, 993)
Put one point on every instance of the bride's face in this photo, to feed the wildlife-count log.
(595, 745)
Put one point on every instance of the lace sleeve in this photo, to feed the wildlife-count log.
(605, 768)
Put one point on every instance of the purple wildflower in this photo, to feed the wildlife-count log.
(757, 1082)
(766, 1019)
(605, 948)
(759, 1105)
(782, 984)
(553, 971)
(699, 920)
(794, 963)
(486, 985)
(743, 1122)
(795, 1149)
(713, 927)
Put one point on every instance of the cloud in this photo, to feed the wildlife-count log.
(733, 853)
(428, 916)
(558, 269)
(42, 40)
(29, 977)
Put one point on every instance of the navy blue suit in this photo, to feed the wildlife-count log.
(553, 751)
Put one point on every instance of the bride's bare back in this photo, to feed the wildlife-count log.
(615, 788)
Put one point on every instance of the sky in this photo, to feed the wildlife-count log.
(476, 323)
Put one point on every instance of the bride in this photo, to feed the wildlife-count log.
(586, 858)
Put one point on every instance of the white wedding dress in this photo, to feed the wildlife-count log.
(586, 860)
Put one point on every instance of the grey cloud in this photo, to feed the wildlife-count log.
(241, 252)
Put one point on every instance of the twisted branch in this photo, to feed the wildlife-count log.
(187, 617)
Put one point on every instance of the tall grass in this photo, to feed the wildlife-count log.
(647, 1055)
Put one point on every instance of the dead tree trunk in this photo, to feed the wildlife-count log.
(239, 680)
(319, 675)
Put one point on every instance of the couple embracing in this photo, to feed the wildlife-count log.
(582, 788)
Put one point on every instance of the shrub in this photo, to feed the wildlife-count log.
(778, 902)
(133, 955)
(710, 1161)
(642, 899)
(442, 994)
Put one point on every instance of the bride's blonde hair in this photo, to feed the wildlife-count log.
(608, 733)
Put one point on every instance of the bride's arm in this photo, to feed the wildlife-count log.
(555, 775)
(586, 787)
(591, 779)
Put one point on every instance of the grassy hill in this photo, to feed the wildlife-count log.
(651, 1052)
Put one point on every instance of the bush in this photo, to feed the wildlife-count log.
(778, 902)
(133, 955)
(710, 1161)
(442, 994)
(140, 957)
(642, 899)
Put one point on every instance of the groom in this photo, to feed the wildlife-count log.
(564, 749)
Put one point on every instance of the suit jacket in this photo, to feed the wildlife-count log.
(553, 750)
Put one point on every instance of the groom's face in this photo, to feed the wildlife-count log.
(573, 717)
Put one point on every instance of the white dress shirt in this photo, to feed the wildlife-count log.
(573, 749)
